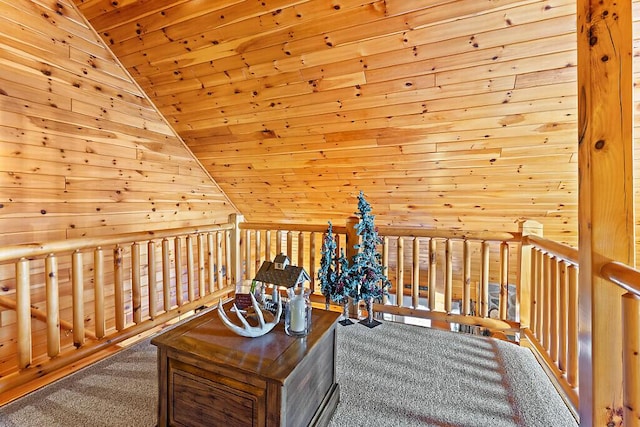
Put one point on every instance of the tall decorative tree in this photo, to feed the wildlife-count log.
(367, 270)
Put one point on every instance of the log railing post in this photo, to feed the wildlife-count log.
(606, 226)
(484, 280)
(524, 291)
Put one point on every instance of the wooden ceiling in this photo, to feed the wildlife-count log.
(447, 114)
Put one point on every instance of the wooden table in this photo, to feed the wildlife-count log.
(209, 376)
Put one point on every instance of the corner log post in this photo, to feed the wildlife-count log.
(605, 208)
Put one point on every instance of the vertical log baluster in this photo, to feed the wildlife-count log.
(246, 253)
(415, 277)
(554, 298)
(572, 328)
(178, 269)
(313, 270)
(135, 283)
(166, 275)
(290, 245)
(534, 292)
(466, 291)
(118, 285)
(546, 303)
(448, 275)
(152, 279)
(191, 291)
(219, 251)
(53, 305)
(279, 242)
(227, 255)
(267, 245)
(211, 263)
(201, 265)
(385, 265)
(540, 295)
(98, 292)
(258, 259)
(23, 313)
(563, 315)
(400, 273)
(504, 280)
(301, 249)
(631, 359)
(77, 297)
(432, 274)
(484, 280)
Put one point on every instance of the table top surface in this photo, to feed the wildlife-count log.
(272, 356)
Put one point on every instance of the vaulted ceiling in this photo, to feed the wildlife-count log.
(447, 114)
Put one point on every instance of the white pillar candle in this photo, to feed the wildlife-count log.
(298, 310)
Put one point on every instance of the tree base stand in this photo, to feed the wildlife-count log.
(370, 323)
(346, 322)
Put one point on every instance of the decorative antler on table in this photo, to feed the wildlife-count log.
(247, 330)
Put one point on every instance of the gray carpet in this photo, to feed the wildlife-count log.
(392, 375)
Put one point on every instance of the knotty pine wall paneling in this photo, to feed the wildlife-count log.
(82, 150)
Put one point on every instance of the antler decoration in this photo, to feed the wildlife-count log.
(247, 330)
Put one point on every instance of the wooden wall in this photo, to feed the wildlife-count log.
(83, 152)
(447, 114)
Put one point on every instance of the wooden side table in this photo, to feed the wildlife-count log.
(210, 376)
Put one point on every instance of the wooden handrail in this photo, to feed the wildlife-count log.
(626, 277)
(558, 250)
(393, 231)
(28, 250)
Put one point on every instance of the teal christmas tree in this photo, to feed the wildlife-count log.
(336, 284)
(367, 270)
(328, 273)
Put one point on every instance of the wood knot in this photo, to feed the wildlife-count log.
(600, 144)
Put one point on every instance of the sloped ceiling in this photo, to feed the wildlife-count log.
(447, 114)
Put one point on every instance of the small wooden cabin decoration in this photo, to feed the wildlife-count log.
(280, 272)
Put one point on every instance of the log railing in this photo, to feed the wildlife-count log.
(516, 285)
(552, 329)
(628, 279)
(100, 291)
(554, 324)
(423, 281)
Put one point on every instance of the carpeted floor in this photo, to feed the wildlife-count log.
(392, 375)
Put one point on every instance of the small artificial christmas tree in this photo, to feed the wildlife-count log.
(328, 273)
(336, 283)
(367, 271)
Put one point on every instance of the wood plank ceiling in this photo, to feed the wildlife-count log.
(447, 114)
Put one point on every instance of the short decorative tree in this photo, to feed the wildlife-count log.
(367, 270)
(336, 283)
(328, 273)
